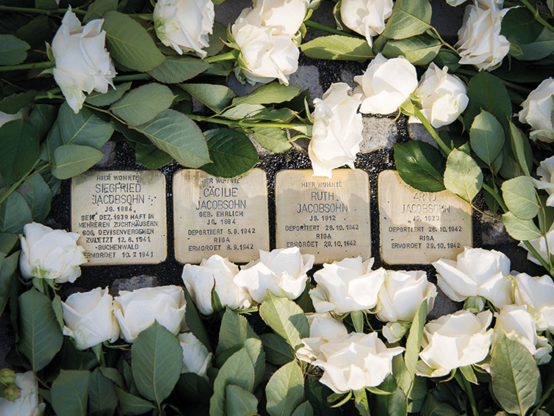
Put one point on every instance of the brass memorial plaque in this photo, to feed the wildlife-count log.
(220, 216)
(420, 227)
(328, 218)
(121, 216)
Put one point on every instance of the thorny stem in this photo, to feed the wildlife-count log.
(319, 26)
(537, 15)
(46, 64)
(431, 130)
(435, 31)
(243, 124)
(40, 11)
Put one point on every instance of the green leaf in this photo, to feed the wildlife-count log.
(151, 157)
(129, 43)
(516, 381)
(520, 197)
(217, 38)
(462, 175)
(420, 165)
(318, 395)
(276, 349)
(193, 389)
(83, 128)
(8, 242)
(132, 405)
(216, 97)
(243, 111)
(486, 137)
(14, 214)
(42, 118)
(71, 160)
(194, 322)
(97, 9)
(113, 375)
(179, 136)
(13, 51)
(305, 409)
(446, 57)
(38, 196)
(20, 148)
(286, 318)
(40, 335)
(36, 32)
(521, 148)
(176, 69)
(237, 370)
(99, 99)
(142, 104)
(520, 229)
(8, 267)
(272, 93)
(13, 103)
(157, 362)
(433, 407)
(234, 331)
(339, 48)
(519, 26)
(419, 50)
(409, 18)
(70, 393)
(285, 390)
(361, 402)
(487, 92)
(240, 402)
(231, 151)
(102, 396)
(413, 343)
(391, 404)
(542, 47)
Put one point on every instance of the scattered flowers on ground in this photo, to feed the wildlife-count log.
(196, 358)
(537, 293)
(185, 25)
(82, 61)
(366, 17)
(537, 111)
(337, 130)
(479, 40)
(89, 318)
(50, 254)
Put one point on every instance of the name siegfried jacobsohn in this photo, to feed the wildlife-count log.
(116, 193)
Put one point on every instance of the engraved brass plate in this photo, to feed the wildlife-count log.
(420, 227)
(328, 218)
(220, 216)
(121, 216)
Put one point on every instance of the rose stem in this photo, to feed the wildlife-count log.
(319, 26)
(46, 64)
(223, 57)
(41, 11)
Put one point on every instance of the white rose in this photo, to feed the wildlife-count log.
(28, 403)
(546, 173)
(453, 341)
(216, 273)
(196, 358)
(285, 15)
(323, 329)
(347, 286)
(442, 97)
(537, 111)
(184, 25)
(401, 295)
(337, 130)
(479, 40)
(50, 254)
(537, 293)
(356, 362)
(281, 271)
(89, 318)
(386, 84)
(519, 325)
(477, 272)
(366, 17)
(82, 62)
(265, 53)
(137, 310)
